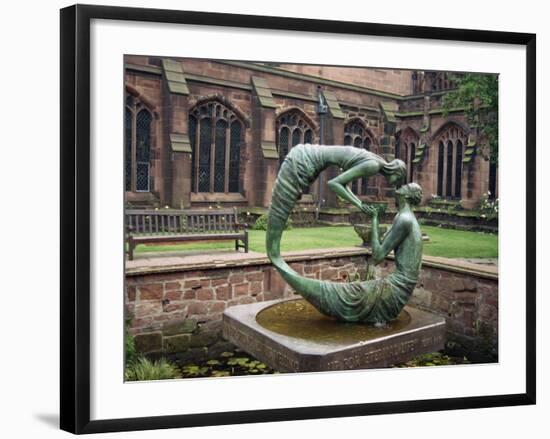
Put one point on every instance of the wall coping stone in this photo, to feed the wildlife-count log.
(141, 267)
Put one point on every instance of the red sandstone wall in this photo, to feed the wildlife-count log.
(180, 313)
(468, 302)
(388, 80)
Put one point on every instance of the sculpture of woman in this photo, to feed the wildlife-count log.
(373, 301)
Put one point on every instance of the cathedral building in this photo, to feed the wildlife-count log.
(201, 133)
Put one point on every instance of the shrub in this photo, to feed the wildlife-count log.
(488, 208)
(143, 369)
(129, 347)
(261, 223)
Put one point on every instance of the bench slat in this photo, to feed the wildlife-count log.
(170, 238)
(161, 212)
(168, 222)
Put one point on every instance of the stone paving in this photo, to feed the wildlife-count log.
(156, 259)
(164, 261)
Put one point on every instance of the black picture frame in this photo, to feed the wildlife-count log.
(75, 217)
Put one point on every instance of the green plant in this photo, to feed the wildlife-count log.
(193, 370)
(261, 223)
(433, 359)
(488, 208)
(477, 95)
(140, 368)
(130, 353)
(227, 364)
(143, 369)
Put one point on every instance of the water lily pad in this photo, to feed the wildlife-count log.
(238, 361)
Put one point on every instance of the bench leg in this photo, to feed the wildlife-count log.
(131, 246)
(244, 244)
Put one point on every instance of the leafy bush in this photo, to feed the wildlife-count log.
(129, 347)
(143, 369)
(139, 368)
(261, 223)
(488, 208)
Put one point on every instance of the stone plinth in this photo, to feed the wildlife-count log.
(291, 336)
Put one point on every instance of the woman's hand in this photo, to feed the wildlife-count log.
(370, 210)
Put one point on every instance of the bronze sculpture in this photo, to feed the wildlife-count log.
(374, 301)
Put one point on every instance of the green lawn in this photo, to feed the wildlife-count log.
(443, 242)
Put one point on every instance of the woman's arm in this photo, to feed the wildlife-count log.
(397, 233)
(338, 184)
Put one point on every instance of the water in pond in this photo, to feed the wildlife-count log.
(299, 319)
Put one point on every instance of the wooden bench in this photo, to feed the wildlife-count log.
(169, 226)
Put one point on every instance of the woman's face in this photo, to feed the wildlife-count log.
(394, 180)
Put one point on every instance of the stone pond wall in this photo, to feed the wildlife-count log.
(467, 298)
(176, 310)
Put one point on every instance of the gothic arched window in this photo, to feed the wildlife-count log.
(215, 135)
(143, 150)
(410, 164)
(355, 134)
(451, 141)
(458, 169)
(128, 124)
(137, 146)
(449, 191)
(407, 150)
(292, 129)
(440, 168)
